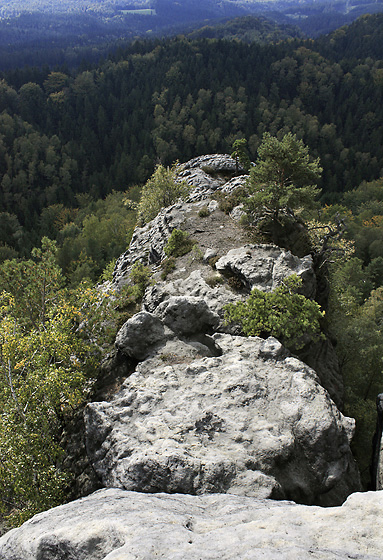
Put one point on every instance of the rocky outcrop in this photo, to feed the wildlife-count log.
(265, 266)
(119, 525)
(208, 410)
(216, 421)
(219, 414)
(206, 174)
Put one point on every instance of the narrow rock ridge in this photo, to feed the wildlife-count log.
(207, 410)
(210, 427)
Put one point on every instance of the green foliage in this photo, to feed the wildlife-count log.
(161, 190)
(167, 266)
(107, 273)
(283, 177)
(204, 212)
(49, 348)
(34, 284)
(282, 313)
(140, 276)
(355, 314)
(240, 154)
(179, 244)
(214, 280)
(358, 328)
(92, 236)
(229, 201)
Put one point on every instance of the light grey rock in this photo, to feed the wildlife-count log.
(234, 184)
(194, 285)
(237, 213)
(273, 263)
(252, 421)
(213, 206)
(187, 315)
(210, 254)
(139, 335)
(208, 173)
(119, 525)
(265, 266)
(148, 242)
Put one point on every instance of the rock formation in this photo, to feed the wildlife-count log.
(221, 414)
(119, 525)
(207, 411)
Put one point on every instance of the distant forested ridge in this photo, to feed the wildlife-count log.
(34, 32)
(66, 134)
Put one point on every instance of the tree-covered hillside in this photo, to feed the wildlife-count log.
(103, 129)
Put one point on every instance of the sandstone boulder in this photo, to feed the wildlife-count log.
(186, 315)
(119, 525)
(139, 335)
(251, 421)
(265, 266)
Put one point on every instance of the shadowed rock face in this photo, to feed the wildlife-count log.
(118, 525)
(377, 466)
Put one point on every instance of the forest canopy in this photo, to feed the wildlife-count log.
(92, 132)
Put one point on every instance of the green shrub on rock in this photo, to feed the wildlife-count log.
(179, 244)
(161, 190)
(282, 313)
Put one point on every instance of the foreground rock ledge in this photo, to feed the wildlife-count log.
(121, 525)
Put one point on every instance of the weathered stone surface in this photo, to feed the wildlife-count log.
(320, 355)
(205, 174)
(195, 285)
(187, 315)
(148, 242)
(253, 421)
(118, 525)
(265, 266)
(139, 335)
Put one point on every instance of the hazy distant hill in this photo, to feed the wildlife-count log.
(38, 32)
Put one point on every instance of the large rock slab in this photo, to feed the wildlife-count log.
(264, 267)
(118, 525)
(251, 421)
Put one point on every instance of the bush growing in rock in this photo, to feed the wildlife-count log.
(140, 276)
(204, 212)
(214, 280)
(179, 244)
(282, 313)
(167, 266)
(161, 190)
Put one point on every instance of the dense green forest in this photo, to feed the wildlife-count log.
(67, 136)
(76, 147)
